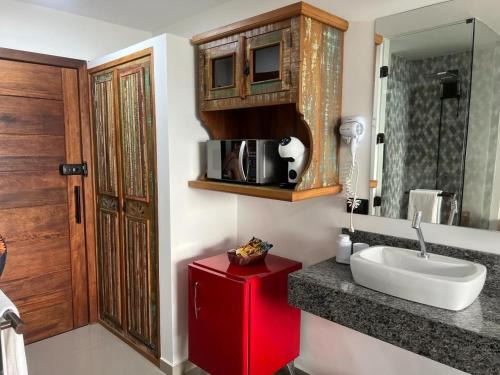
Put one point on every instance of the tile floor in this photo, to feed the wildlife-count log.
(90, 350)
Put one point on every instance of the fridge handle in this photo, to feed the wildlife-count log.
(196, 308)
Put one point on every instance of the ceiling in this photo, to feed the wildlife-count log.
(155, 15)
(488, 11)
(149, 15)
(441, 29)
(434, 42)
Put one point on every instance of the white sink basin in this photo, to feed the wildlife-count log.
(439, 281)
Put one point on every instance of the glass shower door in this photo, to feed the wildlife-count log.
(481, 198)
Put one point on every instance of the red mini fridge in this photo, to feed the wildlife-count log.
(240, 322)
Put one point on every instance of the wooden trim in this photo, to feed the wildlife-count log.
(320, 15)
(300, 8)
(157, 236)
(241, 76)
(379, 39)
(122, 60)
(121, 200)
(76, 230)
(88, 192)
(269, 192)
(37, 58)
(373, 184)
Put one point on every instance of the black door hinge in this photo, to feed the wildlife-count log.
(73, 169)
(380, 138)
(384, 71)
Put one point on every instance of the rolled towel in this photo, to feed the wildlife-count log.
(427, 201)
(13, 354)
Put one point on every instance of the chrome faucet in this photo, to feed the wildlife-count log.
(416, 225)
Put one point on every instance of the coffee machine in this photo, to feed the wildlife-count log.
(296, 154)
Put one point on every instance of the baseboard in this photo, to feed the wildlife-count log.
(178, 369)
(187, 368)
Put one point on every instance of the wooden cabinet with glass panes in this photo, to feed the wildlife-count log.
(275, 75)
(257, 67)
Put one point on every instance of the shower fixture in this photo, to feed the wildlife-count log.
(450, 83)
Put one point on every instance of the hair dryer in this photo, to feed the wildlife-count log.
(352, 130)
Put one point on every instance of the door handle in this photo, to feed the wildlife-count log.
(196, 308)
(78, 205)
(243, 145)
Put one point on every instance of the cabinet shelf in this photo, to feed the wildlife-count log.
(269, 192)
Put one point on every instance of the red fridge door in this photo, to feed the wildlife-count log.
(218, 322)
(274, 325)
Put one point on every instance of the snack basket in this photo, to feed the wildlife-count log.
(254, 252)
(245, 261)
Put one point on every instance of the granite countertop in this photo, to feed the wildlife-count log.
(468, 340)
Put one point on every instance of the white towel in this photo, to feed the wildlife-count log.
(428, 202)
(13, 354)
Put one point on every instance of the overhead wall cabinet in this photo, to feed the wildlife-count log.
(125, 170)
(275, 75)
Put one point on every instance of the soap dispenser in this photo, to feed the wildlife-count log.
(344, 246)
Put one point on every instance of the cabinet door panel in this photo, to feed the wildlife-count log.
(222, 71)
(139, 212)
(269, 59)
(109, 259)
(134, 126)
(108, 231)
(104, 123)
(218, 322)
(139, 269)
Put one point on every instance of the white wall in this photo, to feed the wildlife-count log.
(203, 223)
(192, 224)
(39, 29)
(306, 231)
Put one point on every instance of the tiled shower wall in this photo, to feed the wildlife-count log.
(412, 131)
(396, 137)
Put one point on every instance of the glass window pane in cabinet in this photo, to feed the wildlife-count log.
(266, 63)
(223, 72)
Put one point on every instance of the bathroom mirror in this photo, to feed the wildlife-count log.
(436, 129)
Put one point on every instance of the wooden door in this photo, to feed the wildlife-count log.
(218, 322)
(45, 273)
(269, 59)
(222, 70)
(124, 138)
(139, 203)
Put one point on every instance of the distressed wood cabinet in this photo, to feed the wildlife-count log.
(124, 149)
(275, 75)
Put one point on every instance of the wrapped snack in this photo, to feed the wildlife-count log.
(252, 252)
